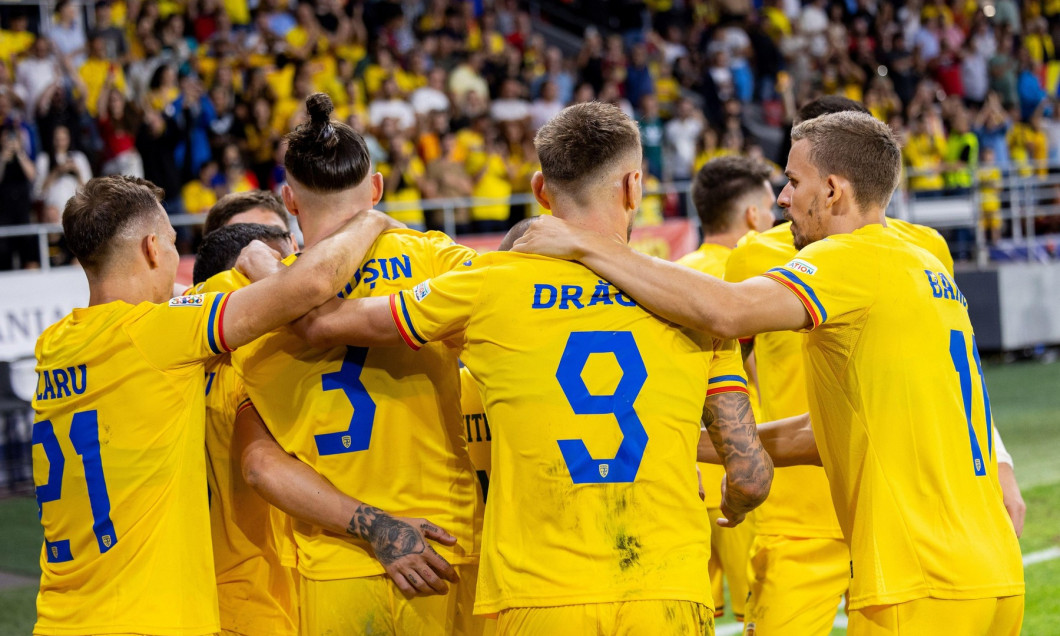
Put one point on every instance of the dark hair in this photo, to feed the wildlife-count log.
(515, 233)
(827, 105)
(325, 155)
(101, 209)
(239, 202)
(720, 184)
(219, 250)
(583, 141)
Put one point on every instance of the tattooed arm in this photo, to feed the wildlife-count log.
(399, 543)
(730, 424)
(789, 442)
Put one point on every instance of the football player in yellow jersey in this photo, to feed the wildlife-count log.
(732, 196)
(899, 408)
(119, 432)
(352, 416)
(256, 593)
(798, 534)
(594, 525)
(475, 420)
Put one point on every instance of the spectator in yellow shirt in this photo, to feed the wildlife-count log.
(923, 153)
(489, 173)
(403, 183)
(1028, 147)
(98, 73)
(199, 195)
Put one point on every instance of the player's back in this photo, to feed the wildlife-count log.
(383, 425)
(903, 421)
(120, 469)
(595, 408)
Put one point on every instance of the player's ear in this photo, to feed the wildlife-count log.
(632, 190)
(833, 190)
(377, 187)
(537, 186)
(150, 248)
(288, 199)
(750, 217)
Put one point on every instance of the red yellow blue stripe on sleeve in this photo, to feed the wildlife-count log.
(215, 324)
(726, 384)
(802, 291)
(400, 313)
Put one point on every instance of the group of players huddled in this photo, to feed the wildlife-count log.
(356, 399)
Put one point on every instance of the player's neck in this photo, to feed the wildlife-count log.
(861, 219)
(725, 239)
(603, 223)
(133, 289)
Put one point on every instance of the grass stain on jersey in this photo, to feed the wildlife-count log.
(628, 547)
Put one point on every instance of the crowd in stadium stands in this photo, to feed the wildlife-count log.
(196, 95)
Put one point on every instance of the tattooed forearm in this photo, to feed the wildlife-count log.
(391, 538)
(748, 468)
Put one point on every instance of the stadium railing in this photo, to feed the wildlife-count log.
(1025, 194)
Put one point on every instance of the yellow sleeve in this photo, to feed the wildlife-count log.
(726, 369)
(185, 330)
(449, 255)
(820, 276)
(438, 308)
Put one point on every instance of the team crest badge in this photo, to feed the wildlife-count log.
(749, 630)
(55, 552)
(604, 469)
(106, 540)
(346, 441)
(194, 300)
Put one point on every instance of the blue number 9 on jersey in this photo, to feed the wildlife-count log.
(585, 469)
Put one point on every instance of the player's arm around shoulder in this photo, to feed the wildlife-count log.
(678, 294)
(290, 292)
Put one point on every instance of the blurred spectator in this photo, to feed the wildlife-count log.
(962, 154)
(489, 174)
(990, 182)
(115, 47)
(199, 195)
(510, 105)
(923, 153)
(681, 134)
(431, 97)
(992, 125)
(404, 181)
(546, 106)
(119, 121)
(59, 173)
(449, 180)
(651, 136)
(68, 31)
(17, 172)
(193, 113)
(390, 105)
(35, 73)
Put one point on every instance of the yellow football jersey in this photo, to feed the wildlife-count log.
(799, 503)
(711, 259)
(902, 419)
(477, 428)
(256, 593)
(383, 425)
(120, 471)
(594, 408)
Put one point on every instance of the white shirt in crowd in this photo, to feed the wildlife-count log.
(426, 99)
(681, 136)
(510, 109)
(32, 77)
(542, 110)
(398, 109)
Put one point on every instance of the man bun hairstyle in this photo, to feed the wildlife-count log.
(325, 155)
(583, 143)
(104, 208)
(858, 147)
(719, 187)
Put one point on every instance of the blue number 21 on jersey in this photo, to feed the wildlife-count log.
(84, 434)
(584, 468)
